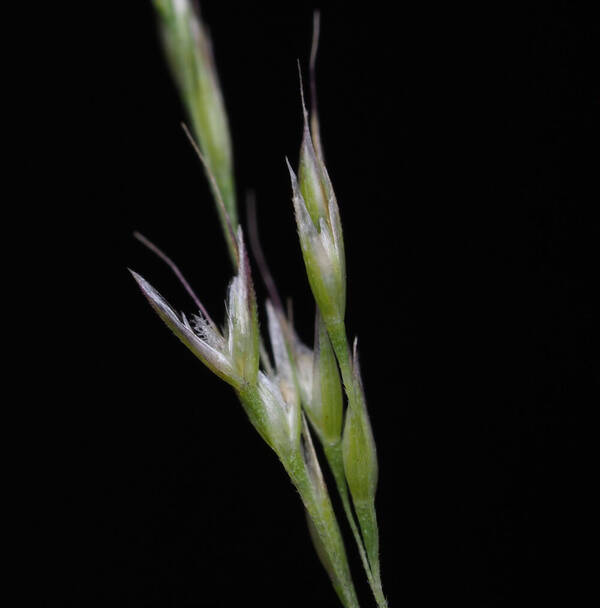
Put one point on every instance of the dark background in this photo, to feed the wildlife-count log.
(462, 144)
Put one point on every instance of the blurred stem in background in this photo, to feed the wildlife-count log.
(189, 53)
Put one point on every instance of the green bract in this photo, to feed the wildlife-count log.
(360, 457)
(325, 405)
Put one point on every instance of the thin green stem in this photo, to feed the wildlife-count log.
(365, 512)
(339, 341)
(320, 510)
(333, 453)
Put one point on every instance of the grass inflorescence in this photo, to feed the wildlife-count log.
(296, 392)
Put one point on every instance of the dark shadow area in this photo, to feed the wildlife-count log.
(462, 145)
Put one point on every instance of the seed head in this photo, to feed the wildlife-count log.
(281, 416)
(233, 356)
(242, 319)
(314, 181)
(323, 253)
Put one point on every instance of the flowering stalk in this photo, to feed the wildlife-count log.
(270, 404)
(278, 396)
(322, 245)
(325, 411)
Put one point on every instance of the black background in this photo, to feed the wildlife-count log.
(462, 144)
